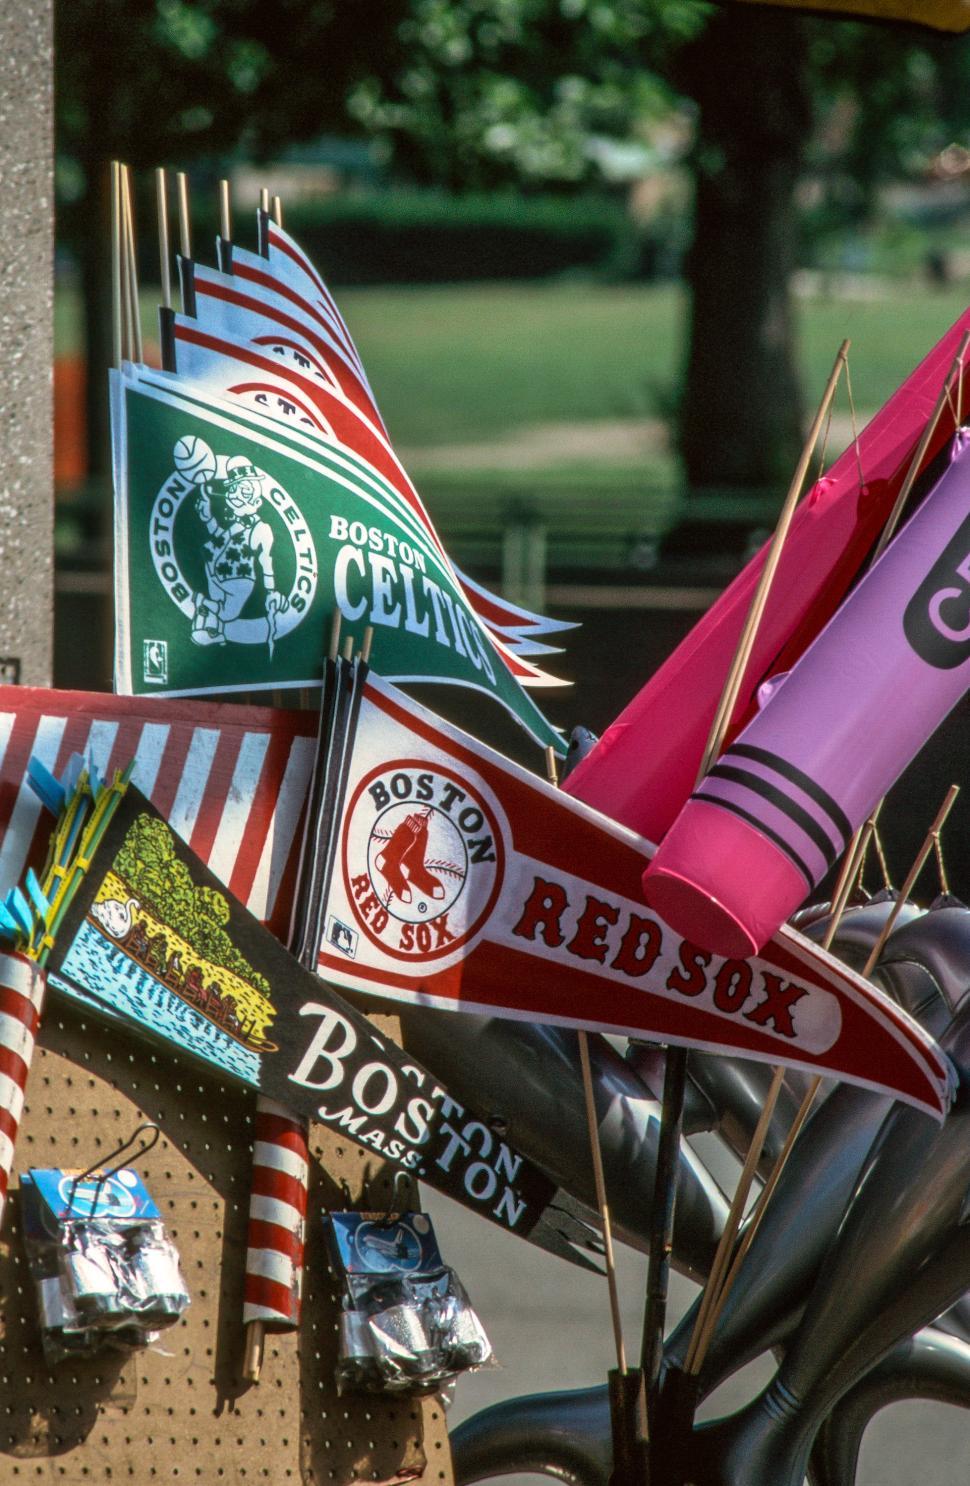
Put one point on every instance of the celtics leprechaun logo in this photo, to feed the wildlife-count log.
(423, 859)
(240, 596)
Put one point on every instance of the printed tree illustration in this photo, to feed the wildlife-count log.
(200, 914)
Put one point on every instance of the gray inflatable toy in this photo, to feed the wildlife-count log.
(924, 965)
(811, 1196)
(901, 1257)
(530, 1080)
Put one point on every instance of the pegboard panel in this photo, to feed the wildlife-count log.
(181, 1411)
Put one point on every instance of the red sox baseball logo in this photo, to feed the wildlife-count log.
(423, 859)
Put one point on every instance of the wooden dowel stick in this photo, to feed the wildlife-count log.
(117, 333)
(731, 1226)
(264, 200)
(134, 307)
(732, 686)
(764, 1196)
(932, 836)
(599, 1178)
(847, 877)
(758, 1212)
(253, 1360)
(225, 214)
(349, 648)
(164, 247)
(333, 649)
(959, 377)
(127, 327)
(887, 881)
(892, 521)
(185, 224)
(277, 211)
(941, 866)
(367, 644)
(601, 1202)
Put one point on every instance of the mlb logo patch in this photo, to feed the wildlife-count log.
(342, 937)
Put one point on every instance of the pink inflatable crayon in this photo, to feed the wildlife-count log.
(779, 807)
(643, 768)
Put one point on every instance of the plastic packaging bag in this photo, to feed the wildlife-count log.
(106, 1274)
(407, 1323)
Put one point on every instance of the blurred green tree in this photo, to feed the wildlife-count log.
(741, 411)
(524, 93)
(156, 81)
(502, 91)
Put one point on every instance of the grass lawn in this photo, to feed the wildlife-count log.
(461, 363)
(464, 363)
(889, 335)
(452, 365)
(456, 364)
(472, 364)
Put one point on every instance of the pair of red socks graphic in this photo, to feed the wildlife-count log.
(402, 861)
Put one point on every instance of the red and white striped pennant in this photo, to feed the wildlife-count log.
(22, 985)
(292, 294)
(277, 1217)
(231, 780)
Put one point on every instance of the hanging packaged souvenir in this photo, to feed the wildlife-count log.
(106, 1273)
(406, 1323)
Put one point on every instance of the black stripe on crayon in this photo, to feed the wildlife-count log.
(781, 801)
(795, 775)
(759, 825)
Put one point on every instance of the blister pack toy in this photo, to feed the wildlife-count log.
(105, 1271)
(407, 1323)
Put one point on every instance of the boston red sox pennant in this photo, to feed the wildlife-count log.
(457, 880)
(461, 881)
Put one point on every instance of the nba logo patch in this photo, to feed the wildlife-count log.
(155, 662)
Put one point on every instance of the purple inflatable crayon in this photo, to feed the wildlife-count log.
(780, 805)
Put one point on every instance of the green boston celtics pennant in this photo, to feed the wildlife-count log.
(235, 542)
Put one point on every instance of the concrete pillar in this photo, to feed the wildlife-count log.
(26, 338)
